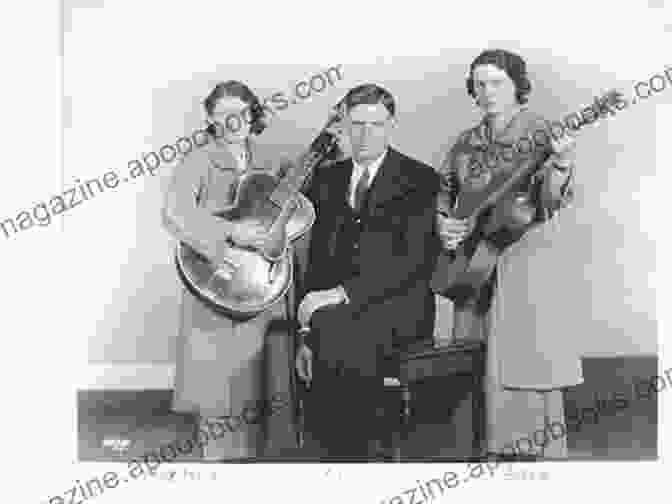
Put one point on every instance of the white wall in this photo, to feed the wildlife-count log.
(135, 75)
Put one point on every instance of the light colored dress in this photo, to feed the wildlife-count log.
(530, 359)
(530, 355)
(222, 365)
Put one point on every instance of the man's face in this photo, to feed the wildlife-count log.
(495, 91)
(368, 128)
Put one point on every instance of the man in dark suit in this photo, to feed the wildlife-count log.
(372, 251)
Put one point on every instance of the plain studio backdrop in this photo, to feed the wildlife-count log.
(134, 81)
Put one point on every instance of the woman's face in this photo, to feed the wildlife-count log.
(495, 91)
(231, 118)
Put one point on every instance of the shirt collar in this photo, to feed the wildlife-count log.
(484, 131)
(374, 166)
(223, 159)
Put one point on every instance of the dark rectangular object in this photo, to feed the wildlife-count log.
(119, 425)
(630, 434)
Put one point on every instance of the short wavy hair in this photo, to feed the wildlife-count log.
(255, 115)
(511, 63)
(369, 94)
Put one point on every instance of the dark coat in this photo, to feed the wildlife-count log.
(390, 301)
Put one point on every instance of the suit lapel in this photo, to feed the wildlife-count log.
(390, 182)
(342, 182)
(337, 208)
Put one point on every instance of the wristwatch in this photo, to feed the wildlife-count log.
(302, 333)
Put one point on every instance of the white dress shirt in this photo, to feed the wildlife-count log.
(358, 171)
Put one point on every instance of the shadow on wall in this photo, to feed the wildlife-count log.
(631, 434)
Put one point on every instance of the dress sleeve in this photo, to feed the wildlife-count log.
(182, 216)
(557, 182)
(450, 184)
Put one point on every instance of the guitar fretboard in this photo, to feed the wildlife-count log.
(293, 181)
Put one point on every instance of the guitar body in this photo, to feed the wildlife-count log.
(461, 273)
(260, 278)
(258, 281)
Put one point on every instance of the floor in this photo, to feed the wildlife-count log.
(120, 425)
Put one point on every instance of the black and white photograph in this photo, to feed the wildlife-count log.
(317, 242)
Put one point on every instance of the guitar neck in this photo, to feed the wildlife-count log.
(526, 168)
(297, 173)
(473, 205)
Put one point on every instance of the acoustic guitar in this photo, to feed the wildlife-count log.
(496, 208)
(260, 278)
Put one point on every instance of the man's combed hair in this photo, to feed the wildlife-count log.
(511, 63)
(369, 94)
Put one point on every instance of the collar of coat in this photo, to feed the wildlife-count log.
(394, 178)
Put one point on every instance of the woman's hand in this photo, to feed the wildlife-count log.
(249, 234)
(453, 231)
(226, 270)
(271, 243)
(564, 145)
(304, 364)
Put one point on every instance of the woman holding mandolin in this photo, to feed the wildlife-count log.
(222, 362)
(529, 359)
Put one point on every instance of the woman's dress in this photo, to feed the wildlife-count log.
(530, 359)
(224, 366)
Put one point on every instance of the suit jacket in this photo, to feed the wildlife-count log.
(390, 300)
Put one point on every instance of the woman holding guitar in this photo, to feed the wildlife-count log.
(222, 361)
(529, 359)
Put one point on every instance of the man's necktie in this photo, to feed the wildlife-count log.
(361, 189)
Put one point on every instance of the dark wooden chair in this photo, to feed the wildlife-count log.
(426, 359)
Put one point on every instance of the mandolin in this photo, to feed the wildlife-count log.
(260, 278)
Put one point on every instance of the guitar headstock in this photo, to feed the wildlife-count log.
(327, 143)
(607, 104)
(335, 119)
(326, 146)
(612, 98)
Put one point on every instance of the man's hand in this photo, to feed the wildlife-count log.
(316, 300)
(304, 364)
(453, 231)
